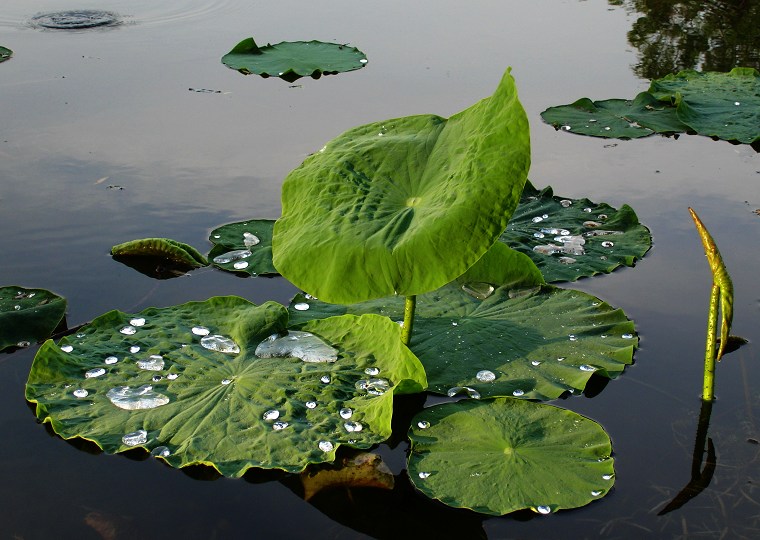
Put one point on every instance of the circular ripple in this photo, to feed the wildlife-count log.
(76, 19)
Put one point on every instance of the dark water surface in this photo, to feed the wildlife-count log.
(102, 142)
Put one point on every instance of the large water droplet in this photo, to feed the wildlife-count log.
(133, 399)
(154, 362)
(80, 393)
(374, 386)
(67, 348)
(200, 330)
(544, 509)
(220, 344)
(372, 371)
(301, 306)
(95, 372)
(137, 321)
(352, 427)
(295, 344)
(250, 239)
(136, 437)
(471, 392)
(160, 451)
(485, 376)
(586, 367)
(240, 265)
(111, 360)
(478, 289)
(271, 414)
(547, 249)
(232, 256)
(128, 330)
(326, 446)
(518, 392)
(346, 413)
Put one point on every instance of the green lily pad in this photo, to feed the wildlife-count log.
(550, 229)
(503, 455)
(722, 105)
(531, 343)
(292, 60)
(196, 392)
(5, 54)
(28, 315)
(244, 247)
(162, 250)
(406, 205)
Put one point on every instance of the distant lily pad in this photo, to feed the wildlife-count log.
(185, 383)
(5, 54)
(569, 239)
(503, 455)
(292, 60)
(244, 247)
(159, 258)
(28, 315)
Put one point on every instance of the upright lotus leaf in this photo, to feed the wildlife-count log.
(406, 205)
(186, 383)
(722, 105)
(28, 315)
(292, 60)
(162, 249)
(615, 118)
(245, 247)
(531, 343)
(569, 239)
(5, 54)
(503, 455)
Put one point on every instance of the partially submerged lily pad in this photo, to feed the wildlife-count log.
(573, 238)
(292, 60)
(184, 382)
(244, 247)
(149, 252)
(28, 315)
(503, 455)
(364, 470)
(5, 54)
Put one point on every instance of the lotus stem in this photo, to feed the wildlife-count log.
(410, 302)
(708, 384)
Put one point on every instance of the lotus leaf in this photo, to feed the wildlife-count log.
(722, 105)
(362, 470)
(28, 315)
(550, 230)
(185, 383)
(5, 54)
(244, 247)
(292, 60)
(532, 343)
(174, 252)
(503, 455)
(406, 205)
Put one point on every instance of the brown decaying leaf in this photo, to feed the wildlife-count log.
(361, 470)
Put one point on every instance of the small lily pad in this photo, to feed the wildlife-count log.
(503, 455)
(243, 247)
(185, 382)
(145, 253)
(293, 60)
(5, 54)
(573, 238)
(28, 315)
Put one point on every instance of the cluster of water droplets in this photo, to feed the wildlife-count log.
(295, 344)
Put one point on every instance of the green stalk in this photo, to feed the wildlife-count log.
(410, 302)
(708, 385)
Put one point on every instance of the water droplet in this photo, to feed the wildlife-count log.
(279, 425)
(587, 210)
(586, 367)
(23, 344)
(17, 308)
(134, 349)
(133, 399)
(67, 348)
(160, 451)
(591, 224)
(363, 60)
(136, 437)
(352, 427)
(423, 475)
(372, 371)
(172, 376)
(232, 256)
(545, 216)
(220, 344)
(537, 219)
(535, 363)
(607, 128)
(602, 216)
(560, 359)
(596, 493)
(548, 249)
(454, 323)
(374, 387)
(485, 376)
(200, 331)
(471, 392)
(250, 239)
(271, 414)
(155, 362)
(325, 446)
(566, 203)
(301, 306)
(737, 103)
(607, 244)
(81, 335)
(566, 260)
(137, 321)
(311, 404)
(538, 235)
(80, 393)
(240, 265)
(518, 392)
(111, 360)
(225, 382)
(607, 476)
(478, 289)
(423, 424)
(303, 345)
(156, 378)
(95, 372)
(128, 330)
(217, 236)
(572, 337)
(325, 379)
(627, 336)
(544, 509)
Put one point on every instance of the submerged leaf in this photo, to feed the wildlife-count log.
(244, 247)
(182, 255)
(28, 315)
(503, 455)
(185, 383)
(362, 470)
(569, 239)
(406, 205)
(292, 60)
(5, 54)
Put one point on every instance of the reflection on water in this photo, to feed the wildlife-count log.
(713, 35)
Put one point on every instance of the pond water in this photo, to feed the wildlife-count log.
(101, 141)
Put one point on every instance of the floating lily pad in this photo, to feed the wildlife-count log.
(722, 105)
(503, 455)
(28, 315)
(293, 60)
(406, 205)
(185, 383)
(244, 247)
(5, 54)
(569, 239)
(159, 257)
(531, 343)
(364, 470)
